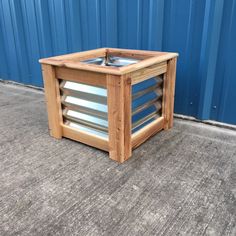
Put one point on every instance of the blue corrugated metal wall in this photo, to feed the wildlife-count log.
(202, 31)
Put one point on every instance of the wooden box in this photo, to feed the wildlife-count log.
(112, 99)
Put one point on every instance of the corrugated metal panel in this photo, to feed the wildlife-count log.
(203, 32)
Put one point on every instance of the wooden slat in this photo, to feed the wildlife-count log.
(148, 72)
(134, 53)
(119, 117)
(147, 62)
(81, 76)
(84, 137)
(146, 132)
(52, 94)
(74, 56)
(165, 97)
(93, 67)
(169, 90)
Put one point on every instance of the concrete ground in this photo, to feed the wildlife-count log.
(180, 182)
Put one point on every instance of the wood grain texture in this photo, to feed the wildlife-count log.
(134, 53)
(169, 90)
(148, 72)
(93, 67)
(84, 137)
(81, 76)
(100, 52)
(119, 117)
(146, 132)
(52, 95)
(147, 62)
(73, 60)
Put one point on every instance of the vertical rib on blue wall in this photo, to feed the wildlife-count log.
(209, 52)
(203, 32)
(224, 96)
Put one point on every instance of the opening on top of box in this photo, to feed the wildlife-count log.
(115, 59)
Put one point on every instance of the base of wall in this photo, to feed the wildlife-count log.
(178, 116)
(19, 84)
(208, 122)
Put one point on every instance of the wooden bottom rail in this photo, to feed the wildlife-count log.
(84, 137)
(146, 132)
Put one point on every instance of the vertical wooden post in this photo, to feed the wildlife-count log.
(52, 95)
(119, 117)
(169, 91)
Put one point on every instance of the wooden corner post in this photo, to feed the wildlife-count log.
(119, 117)
(52, 95)
(169, 91)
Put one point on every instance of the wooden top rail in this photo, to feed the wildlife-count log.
(73, 60)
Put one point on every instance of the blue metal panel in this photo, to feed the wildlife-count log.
(203, 32)
(224, 96)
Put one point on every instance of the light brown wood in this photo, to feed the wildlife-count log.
(134, 53)
(119, 117)
(148, 72)
(165, 97)
(127, 94)
(84, 137)
(52, 95)
(94, 68)
(81, 76)
(147, 62)
(73, 60)
(74, 56)
(169, 90)
(146, 132)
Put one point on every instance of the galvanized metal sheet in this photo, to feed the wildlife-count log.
(111, 61)
(83, 104)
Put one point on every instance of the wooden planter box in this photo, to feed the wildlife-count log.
(114, 108)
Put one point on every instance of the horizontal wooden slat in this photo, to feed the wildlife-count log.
(148, 72)
(129, 55)
(146, 132)
(86, 77)
(133, 53)
(146, 63)
(57, 60)
(92, 67)
(84, 137)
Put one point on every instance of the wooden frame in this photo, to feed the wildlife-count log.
(118, 81)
